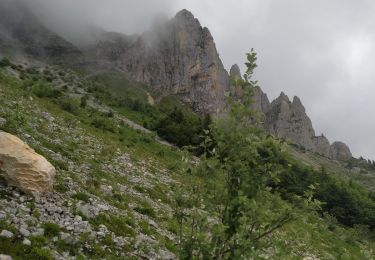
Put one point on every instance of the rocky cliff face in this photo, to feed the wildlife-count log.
(177, 58)
(288, 120)
(340, 151)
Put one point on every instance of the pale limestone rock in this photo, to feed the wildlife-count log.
(178, 57)
(6, 234)
(322, 146)
(23, 167)
(5, 257)
(340, 151)
(286, 119)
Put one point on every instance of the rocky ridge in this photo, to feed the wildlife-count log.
(178, 58)
(288, 120)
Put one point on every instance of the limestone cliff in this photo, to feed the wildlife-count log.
(288, 120)
(178, 58)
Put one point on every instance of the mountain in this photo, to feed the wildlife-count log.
(288, 120)
(175, 58)
(22, 34)
(86, 174)
(178, 58)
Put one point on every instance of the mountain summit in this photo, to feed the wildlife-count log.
(177, 58)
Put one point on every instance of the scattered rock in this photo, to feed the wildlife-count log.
(23, 167)
(5, 257)
(26, 242)
(38, 232)
(87, 210)
(24, 232)
(6, 233)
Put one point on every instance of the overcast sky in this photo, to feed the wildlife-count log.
(322, 51)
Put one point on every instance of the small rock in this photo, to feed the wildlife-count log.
(5, 257)
(24, 232)
(100, 234)
(6, 233)
(26, 242)
(39, 232)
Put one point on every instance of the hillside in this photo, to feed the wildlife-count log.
(157, 152)
(115, 188)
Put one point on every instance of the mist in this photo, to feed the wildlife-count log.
(319, 51)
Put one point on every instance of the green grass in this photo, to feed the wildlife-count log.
(120, 225)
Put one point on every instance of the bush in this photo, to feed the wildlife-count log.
(70, 105)
(104, 124)
(51, 229)
(120, 225)
(145, 209)
(5, 62)
(42, 89)
(81, 196)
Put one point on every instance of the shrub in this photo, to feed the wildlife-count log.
(51, 229)
(145, 209)
(120, 225)
(5, 62)
(104, 124)
(81, 196)
(70, 105)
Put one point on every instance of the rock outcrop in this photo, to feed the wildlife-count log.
(23, 167)
(260, 99)
(286, 119)
(322, 146)
(177, 58)
(340, 151)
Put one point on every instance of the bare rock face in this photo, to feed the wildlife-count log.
(178, 58)
(235, 72)
(322, 146)
(260, 99)
(23, 167)
(340, 151)
(286, 119)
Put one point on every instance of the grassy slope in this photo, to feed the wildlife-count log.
(364, 177)
(144, 175)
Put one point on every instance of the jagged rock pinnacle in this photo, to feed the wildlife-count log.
(235, 72)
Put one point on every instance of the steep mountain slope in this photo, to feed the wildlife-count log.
(122, 192)
(176, 58)
(115, 190)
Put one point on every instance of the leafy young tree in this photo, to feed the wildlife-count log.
(239, 162)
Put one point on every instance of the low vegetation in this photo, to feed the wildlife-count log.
(245, 197)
